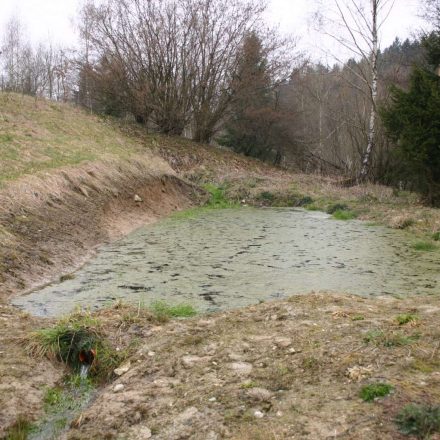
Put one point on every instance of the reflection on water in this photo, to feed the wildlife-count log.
(232, 258)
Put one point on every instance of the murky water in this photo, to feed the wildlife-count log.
(231, 258)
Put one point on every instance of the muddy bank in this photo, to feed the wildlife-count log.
(50, 223)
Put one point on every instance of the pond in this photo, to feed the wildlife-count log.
(224, 259)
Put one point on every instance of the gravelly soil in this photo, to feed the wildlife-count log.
(281, 370)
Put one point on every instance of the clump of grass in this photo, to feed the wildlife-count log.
(69, 338)
(406, 223)
(358, 318)
(67, 277)
(419, 420)
(424, 246)
(344, 215)
(20, 430)
(266, 196)
(436, 236)
(379, 337)
(163, 312)
(406, 318)
(337, 207)
(248, 385)
(370, 392)
(302, 201)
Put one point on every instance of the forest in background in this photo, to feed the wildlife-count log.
(215, 72)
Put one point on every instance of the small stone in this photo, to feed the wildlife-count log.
(241, 368)
(151, 353)
(117, 388)
(212, 399)
(258, 414)
(189, 361)
(279, 414)
(139, 433)
(188, 416)
(137, 199)
(283, 342)
(122, 369)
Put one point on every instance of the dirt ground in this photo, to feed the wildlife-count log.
(282, 370)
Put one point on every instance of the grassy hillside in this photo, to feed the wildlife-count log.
(37, 135)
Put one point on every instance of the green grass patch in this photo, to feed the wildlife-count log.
(344, 215)
(420, 421)
(424, 246)
(218, 199)
(164, 312)
(406, 318)
(370, 392)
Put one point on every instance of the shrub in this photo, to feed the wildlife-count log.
(370, 392)
(419, 420)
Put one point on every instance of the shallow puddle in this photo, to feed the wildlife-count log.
(231, 258)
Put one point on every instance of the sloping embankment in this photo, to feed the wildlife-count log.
(50, 222)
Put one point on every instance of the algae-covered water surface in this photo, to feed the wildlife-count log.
(235, 257)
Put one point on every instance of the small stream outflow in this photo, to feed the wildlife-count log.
(86, 358)
(84, 371)
(232, 258)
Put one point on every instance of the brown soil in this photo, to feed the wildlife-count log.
(281, 370)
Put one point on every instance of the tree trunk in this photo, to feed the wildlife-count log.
(366, 161)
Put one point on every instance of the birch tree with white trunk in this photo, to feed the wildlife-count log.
(355, 25)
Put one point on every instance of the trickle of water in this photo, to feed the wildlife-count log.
(85, 368)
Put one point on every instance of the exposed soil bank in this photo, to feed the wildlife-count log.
(50, 223)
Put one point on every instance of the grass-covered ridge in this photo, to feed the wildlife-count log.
(38, 135)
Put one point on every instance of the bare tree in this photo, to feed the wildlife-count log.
(176, 59)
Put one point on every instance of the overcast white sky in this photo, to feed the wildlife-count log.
(52, 19)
